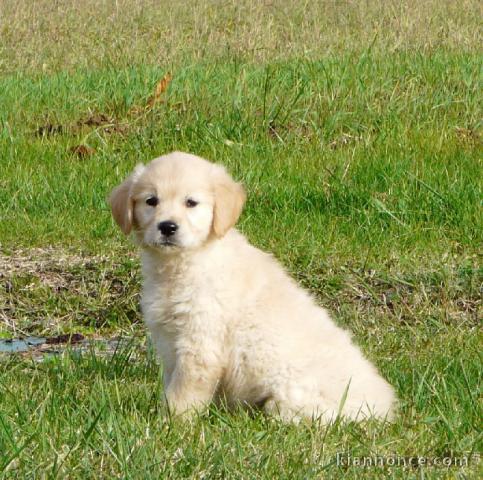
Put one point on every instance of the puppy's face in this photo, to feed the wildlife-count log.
(177, 202)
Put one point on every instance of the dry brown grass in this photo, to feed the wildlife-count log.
(48, 35)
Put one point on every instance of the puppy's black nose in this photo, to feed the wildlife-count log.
(167, 228)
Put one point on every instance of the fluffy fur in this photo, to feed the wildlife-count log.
(225, 318)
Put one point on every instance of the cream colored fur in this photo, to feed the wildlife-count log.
(225, 318)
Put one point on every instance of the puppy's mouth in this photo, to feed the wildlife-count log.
(167, 243)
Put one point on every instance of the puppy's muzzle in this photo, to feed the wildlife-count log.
(167, 228)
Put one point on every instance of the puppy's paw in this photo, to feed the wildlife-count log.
(183, 408)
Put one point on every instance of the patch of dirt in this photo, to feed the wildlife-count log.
(94, 120)
(469, 135)
(99, 121)
(66, 338)
(47, 290)
(82, 151)
(104, 122)
(45, 263)
(406, 298)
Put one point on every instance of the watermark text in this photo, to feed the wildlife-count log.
(344, 459)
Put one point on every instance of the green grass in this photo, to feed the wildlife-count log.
(356, 128)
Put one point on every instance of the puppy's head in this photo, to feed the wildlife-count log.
(176, 202)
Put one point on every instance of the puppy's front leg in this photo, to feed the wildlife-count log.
(192, 384)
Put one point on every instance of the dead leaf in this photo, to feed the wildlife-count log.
(95, 120)
(161, 87)
(82, 151)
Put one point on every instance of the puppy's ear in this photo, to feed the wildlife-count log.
(122, 204)
(229, 200)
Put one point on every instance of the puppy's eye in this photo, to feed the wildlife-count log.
(190, 203)
(152, 201)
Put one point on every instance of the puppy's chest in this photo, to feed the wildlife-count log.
(177, 303)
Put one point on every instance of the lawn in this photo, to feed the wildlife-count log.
(356, 128)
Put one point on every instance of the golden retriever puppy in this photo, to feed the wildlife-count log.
(225, 318)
